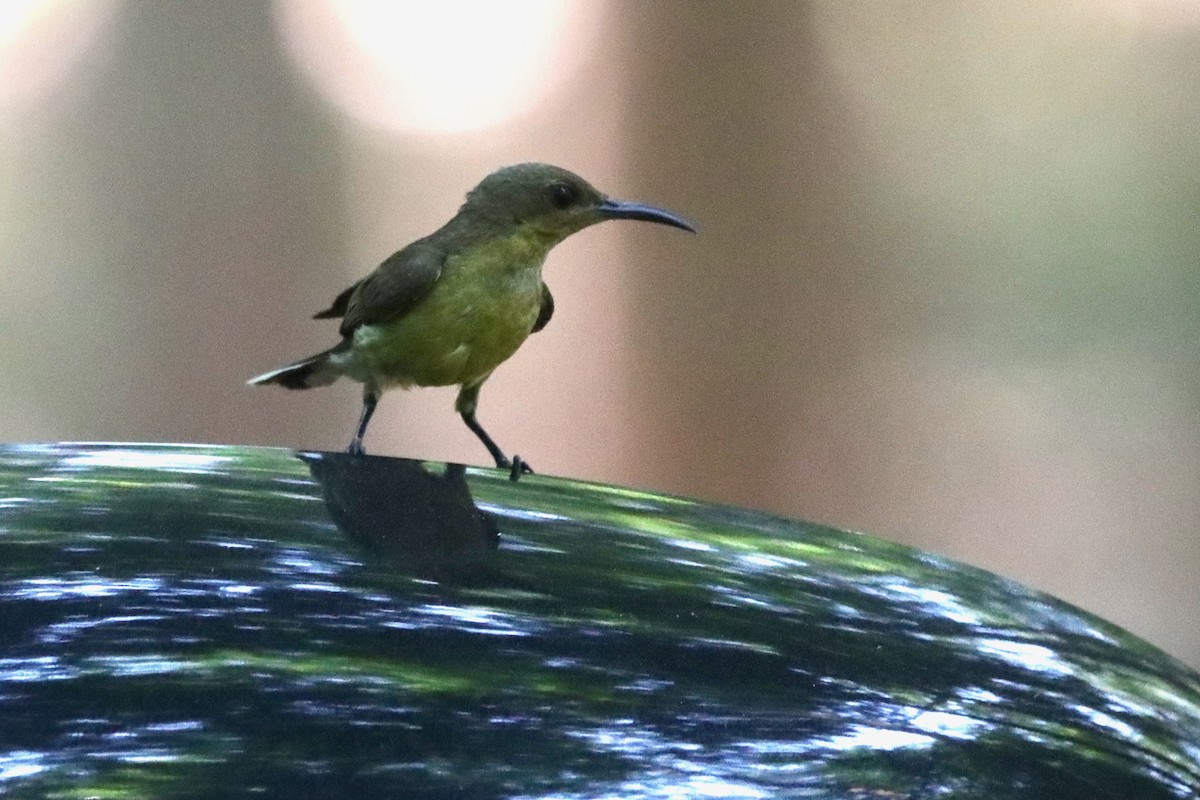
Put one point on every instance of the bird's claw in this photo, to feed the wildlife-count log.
(516, 468)
(356, 448)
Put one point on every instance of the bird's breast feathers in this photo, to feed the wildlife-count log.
(482, 308)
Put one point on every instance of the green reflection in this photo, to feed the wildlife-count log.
(224, 622)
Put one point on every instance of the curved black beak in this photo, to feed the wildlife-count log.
(623, 209)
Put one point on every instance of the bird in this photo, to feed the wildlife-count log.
(449, 308)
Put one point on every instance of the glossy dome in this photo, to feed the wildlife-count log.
(239, 622)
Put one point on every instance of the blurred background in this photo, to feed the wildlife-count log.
(946, 288)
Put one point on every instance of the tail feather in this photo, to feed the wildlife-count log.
(307, 374)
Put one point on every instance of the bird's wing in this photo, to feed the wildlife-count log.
(546, 311)
(338, 308)
(391, 290)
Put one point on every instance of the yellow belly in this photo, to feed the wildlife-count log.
(471, 321)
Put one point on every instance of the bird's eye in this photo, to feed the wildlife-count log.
(563, 195)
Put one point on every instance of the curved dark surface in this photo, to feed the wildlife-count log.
(240, 622)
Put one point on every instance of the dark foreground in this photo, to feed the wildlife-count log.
(187, 622)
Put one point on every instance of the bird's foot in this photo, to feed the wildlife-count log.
(356, 448)
(516, 468)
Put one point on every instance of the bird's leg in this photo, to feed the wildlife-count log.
(468, 398)
(370, 399)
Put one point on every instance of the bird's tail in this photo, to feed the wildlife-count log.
(314, 371)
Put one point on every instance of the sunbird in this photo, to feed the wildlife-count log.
(449, 308)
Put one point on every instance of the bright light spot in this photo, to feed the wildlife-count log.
(20, 764)
(155, 756)
(878, 739)
(945, 724)
(139, 666)
(708, 786)
(1023, 654)
(449, 66)
(938, 602)
(43, 668)
(478, 619)
(198, 463)
(41, 39)
(88, 586)
(1104, 720)
(688, 544)
(16, 17)
(174, 727)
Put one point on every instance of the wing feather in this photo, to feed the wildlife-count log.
(546, 311)
(391, 290)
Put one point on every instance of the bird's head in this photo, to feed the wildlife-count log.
(554, 202)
